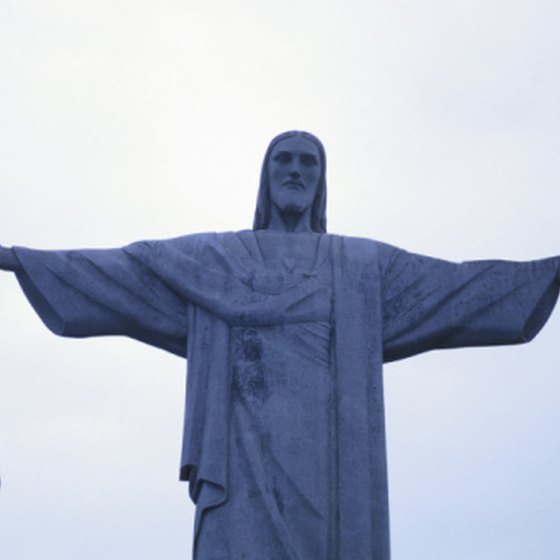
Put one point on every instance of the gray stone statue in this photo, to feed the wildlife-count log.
(286, 329)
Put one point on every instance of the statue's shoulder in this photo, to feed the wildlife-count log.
(211, 248)
(194, 246)
(362, 248)
(193, 241)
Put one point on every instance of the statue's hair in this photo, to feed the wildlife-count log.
(319, 207)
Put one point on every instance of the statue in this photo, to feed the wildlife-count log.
(285, 329)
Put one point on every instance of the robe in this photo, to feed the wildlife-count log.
(284, 436)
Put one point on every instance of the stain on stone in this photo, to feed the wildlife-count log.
(252, 347)
(278, 498)
(248, 381)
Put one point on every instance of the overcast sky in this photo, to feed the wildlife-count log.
(123, 120)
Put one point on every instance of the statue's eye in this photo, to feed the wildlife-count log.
(283, 157)
(308, 159)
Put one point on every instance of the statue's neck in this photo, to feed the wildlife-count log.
(290, 221)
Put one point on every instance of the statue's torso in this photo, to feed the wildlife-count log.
(280, 418)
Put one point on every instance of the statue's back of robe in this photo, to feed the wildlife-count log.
(284, 441)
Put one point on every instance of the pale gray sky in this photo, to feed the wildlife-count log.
(126, 120)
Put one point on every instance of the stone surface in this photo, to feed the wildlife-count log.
(8, 260)
(286, 329)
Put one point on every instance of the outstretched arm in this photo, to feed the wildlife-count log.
(84, 293)
(8, 260)
(142, 290)
(430, 303)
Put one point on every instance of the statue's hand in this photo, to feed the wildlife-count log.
(8, 260)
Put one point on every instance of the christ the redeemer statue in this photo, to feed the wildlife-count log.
(285, 329)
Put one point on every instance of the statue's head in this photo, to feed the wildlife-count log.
(293, 180)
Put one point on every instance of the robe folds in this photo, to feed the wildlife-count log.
(284, 437)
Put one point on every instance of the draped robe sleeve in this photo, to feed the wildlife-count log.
(82, 293)
(431, 304)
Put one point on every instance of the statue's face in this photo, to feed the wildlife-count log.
(294, 171)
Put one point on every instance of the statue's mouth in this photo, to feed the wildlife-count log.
(294, 185)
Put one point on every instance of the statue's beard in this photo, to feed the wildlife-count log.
(292, 209)
(293, 214)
